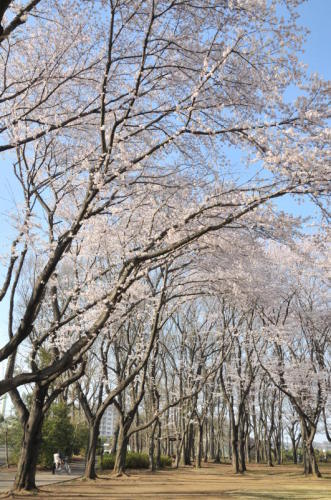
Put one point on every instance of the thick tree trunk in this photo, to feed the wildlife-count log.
(277, 448)
(137, 435)
(206, 446)
(212, 436)
(309, 458)
(115, 439)
(90, 472)
(188, 445)
(26, 469)
(179, 447)
(294, 450)
(234, 445)
(230, 437)
(305, 460)
(199, 446)
(122, 445)
(256, 436)
(269, 451)
(151, 448)
(257, 451)
(312, 459)
(242, 438)
(158, 445)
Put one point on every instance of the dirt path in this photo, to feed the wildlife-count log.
(212, 481)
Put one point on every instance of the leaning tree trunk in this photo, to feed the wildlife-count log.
(90, 472)
(27, 465)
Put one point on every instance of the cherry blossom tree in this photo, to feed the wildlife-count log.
(117, 120)
(299, 329)
(125, 131)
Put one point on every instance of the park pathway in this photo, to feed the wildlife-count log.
(43, 477)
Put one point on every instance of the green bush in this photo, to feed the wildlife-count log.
(137, 460)
(108, 461)
(133, 461)
(165, 461)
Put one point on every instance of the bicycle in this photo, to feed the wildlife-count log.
(64, 467)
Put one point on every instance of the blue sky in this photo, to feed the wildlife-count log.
(316, 15)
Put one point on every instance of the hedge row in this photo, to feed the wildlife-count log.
(133, 461)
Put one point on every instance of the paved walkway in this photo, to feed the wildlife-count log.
(2, 455)
(42, 478)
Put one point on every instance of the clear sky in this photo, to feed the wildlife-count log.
(316, 15)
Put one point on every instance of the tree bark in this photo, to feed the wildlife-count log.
(115, 439)
(312, 459)
(309, 457)
(234, 445)
(188, 444)
(90, 472)
(151, 448)
(122, 445)
(212, 435)
(26, 469)
(269, 451)
(199, 446)
(242, 439)
(158, 445)
(294, 449)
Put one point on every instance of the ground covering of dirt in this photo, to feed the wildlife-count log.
(212, 481)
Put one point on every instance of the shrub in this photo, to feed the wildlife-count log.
(133, 461)
(108, 461)
(137, 460)
(166, 461)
